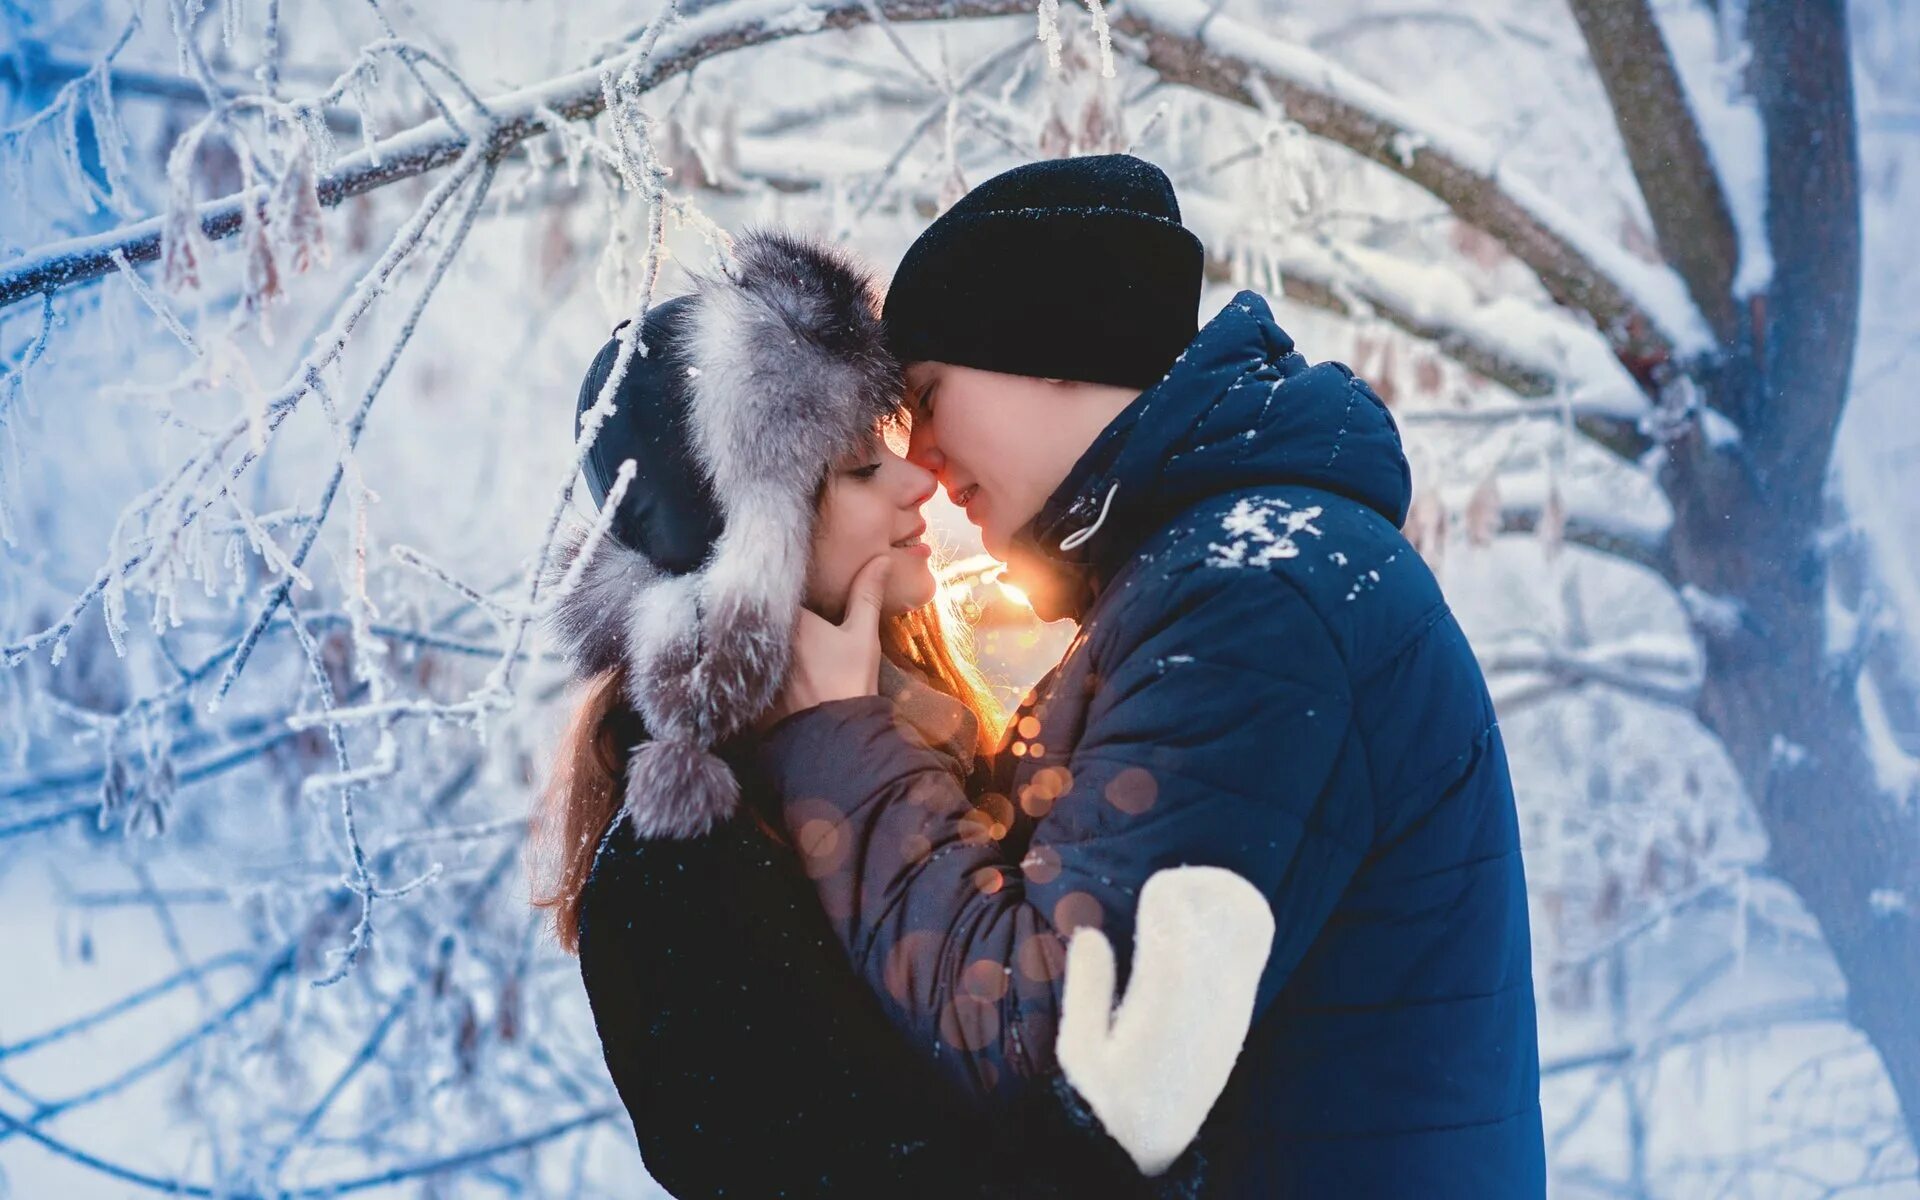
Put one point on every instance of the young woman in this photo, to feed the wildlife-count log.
(752, 1059)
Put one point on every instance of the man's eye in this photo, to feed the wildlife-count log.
(926, 401)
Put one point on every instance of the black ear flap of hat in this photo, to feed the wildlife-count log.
(668, 512)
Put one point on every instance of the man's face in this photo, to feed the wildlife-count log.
(1000, 444)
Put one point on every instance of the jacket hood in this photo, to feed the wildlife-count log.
(1239, 408)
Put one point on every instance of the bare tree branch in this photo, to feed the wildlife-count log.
(1653, 555)
(1468, 347)
(1802, 81)
(1670, 160)
(1625, 672)
(1497, 31)
(1186, 43)
(1218, 56)
(34, 66)
(1787, 1012)
(518, 116)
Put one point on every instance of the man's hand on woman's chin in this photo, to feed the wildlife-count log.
(836, 662)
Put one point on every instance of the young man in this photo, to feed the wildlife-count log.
(1266, 679)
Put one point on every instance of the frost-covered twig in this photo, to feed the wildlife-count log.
(411, 54)
(715, 31)
(275, 410)
(418, 560)
(92, 90)
(354, 427)
(358, 879)
(157, 304)
(602, 522)
(934, 112)
(13, 385)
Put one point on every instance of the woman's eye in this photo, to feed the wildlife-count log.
(866, 472)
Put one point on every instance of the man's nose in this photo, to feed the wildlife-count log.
(922, 452)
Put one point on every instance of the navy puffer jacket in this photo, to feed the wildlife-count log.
(1267, 679)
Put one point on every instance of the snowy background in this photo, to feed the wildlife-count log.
(275, 701)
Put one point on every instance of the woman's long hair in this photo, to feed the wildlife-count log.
(584, 787)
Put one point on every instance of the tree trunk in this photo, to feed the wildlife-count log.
(1748, 526)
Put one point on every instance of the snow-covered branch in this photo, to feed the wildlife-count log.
(1623, 542)
(517, 116)
(34, 66)
(1643, 310)
(1691, 218)
(1537, 355)
(1662, 675)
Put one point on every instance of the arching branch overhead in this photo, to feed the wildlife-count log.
(1641, 309)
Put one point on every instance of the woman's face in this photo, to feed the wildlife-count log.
(871, 506)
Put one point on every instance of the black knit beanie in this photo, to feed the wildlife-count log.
(1071, 268)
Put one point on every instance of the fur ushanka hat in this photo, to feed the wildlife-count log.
(753, 385)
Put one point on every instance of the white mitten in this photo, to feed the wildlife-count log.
(1152, 1070)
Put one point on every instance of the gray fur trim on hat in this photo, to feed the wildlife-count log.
(788, 371)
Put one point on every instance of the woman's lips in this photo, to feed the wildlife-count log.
(915, 542)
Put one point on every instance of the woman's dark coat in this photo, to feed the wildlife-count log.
(755, 1063)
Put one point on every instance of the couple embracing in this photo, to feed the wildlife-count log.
(846, 928)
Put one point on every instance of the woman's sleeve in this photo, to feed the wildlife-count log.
(1220, 735)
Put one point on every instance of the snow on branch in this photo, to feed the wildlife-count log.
(179, 493)
(517, 116)
(1669, 155)
(1654, 671)
(1643, 310)
(1631, 545)
(1553, 365)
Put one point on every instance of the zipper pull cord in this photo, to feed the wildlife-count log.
(1074, 541)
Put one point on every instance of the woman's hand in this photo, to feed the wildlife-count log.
(836, 662)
